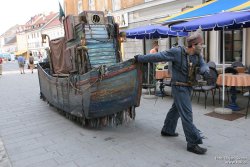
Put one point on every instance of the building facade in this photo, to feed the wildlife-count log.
(8, 40)
(135, 13)
(23, 39)
(46, 24)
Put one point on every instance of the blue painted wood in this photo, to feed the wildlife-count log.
(97, 32)
(99, 41)
(95, 58)
(94, 36)
(100, 45)
(101, 50)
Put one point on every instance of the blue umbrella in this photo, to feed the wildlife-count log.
(228, 20)
(152, 31)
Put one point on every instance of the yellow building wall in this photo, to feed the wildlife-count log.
(130, 3)
(70, 6)
(106, 5)
(85, 5)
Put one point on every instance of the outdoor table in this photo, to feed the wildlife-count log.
(162, 74)
(233, 81)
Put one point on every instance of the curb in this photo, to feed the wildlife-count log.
(4, 159)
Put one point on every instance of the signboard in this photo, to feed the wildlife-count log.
(121, 19)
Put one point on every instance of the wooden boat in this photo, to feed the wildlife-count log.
(84, 76)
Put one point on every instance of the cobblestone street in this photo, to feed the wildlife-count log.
(33, 134)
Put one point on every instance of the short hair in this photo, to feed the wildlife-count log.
(30, 53)
(155, 43)
(193, 39)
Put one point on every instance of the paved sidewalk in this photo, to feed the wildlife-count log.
(4, 160)
(36, 135)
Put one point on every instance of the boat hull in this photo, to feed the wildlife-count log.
(98, 93)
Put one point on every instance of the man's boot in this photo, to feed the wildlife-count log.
(168, 134)
(196, 149)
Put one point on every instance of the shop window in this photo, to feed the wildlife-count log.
(233, 46)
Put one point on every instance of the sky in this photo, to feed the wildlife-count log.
(14, 12)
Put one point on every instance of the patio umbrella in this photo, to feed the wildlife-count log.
(228, 20)
(152, 32)
(220, 21)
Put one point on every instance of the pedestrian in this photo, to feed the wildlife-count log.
(155, 47)
(31, 62)
(21, 62)
(184, 62)
(1, 66)
(40, 57)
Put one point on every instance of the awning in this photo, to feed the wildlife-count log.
(229, 20)
(208, 8)
(20, 52)
(244, 6)
(152, 32)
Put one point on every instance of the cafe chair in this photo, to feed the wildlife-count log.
(237, 64)
(207, 86)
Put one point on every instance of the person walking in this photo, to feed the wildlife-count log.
(184, 62)
(21, 62)
(155, 47)
(1, 66)
(31, 62)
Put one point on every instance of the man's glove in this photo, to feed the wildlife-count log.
(136, 58)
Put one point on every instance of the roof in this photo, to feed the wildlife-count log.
(45, 19)
(53, 23)
(10, 40)
(208, 8)
(40, 22)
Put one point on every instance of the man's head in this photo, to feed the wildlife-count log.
(194, 42)
(30, 53)
(155, 45)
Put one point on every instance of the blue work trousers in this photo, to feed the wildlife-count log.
(182, 108)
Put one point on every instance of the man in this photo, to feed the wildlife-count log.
(155, 47)
(31, 62)
(183, 62)
(1, 67)
(21, 62)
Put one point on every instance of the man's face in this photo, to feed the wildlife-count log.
(198, 48)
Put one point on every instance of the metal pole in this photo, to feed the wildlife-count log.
(223, 70)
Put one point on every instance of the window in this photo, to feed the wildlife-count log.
(116, 5)
(233, 46)
(91, 4)
(79, 7)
